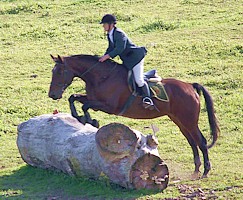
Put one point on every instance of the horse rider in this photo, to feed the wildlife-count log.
(131, 55)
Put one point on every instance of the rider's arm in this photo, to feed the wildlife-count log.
(120, 44)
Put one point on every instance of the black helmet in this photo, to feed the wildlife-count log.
(108, 18)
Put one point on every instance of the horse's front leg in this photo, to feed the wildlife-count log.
(76, 97)
(86, 105)
(87, 116)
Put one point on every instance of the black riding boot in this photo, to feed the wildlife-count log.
(147, 101)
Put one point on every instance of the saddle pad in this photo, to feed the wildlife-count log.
(156, 87)
(158, 91)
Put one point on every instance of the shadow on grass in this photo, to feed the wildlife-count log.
(33, 183)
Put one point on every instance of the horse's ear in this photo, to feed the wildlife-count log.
(57, 59)
(60, 59)
(53, 58)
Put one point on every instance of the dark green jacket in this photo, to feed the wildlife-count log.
(129, 53)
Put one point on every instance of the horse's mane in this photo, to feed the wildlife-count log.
(92, 58)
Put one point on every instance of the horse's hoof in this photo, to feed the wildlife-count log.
(204, 176)
(195, 176)
(95, 123)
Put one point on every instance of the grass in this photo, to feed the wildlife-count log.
(191, 40)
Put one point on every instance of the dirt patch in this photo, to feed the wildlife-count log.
(193, 192)
(190, 192)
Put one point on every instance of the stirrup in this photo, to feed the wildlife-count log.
(147, 102)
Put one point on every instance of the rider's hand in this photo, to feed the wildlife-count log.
(104, 58)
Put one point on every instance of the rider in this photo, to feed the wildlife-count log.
(131, 55)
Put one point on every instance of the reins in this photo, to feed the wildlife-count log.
(89, 69)
(92, 67)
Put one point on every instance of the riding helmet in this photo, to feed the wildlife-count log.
(108, 18)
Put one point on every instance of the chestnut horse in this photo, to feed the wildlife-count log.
(107, 90)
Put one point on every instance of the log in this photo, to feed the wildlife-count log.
(59, 142)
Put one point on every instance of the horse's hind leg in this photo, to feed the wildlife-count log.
(202, 143)
(203, 147)
(197, 160)
(193, 145)
(189, 126)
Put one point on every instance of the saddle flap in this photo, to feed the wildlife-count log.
(154, 82)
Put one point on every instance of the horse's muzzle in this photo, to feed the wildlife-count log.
(53, 96)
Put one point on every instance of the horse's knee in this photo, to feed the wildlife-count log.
(85, 107)
(71, 99)
(204, 141)
(203, 147)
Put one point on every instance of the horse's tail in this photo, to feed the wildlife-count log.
(213, 122)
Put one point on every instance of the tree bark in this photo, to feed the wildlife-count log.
(60, 142)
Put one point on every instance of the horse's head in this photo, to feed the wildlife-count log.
(62, 77)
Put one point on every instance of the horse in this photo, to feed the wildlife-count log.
(107, 90)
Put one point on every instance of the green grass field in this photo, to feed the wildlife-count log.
(191, 40)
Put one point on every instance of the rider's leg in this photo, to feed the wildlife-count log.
(139, 79)
(138, 73)
(147, 96)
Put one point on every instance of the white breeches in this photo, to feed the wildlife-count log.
(138, 73)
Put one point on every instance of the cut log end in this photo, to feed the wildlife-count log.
(149, 172)
(116, 139)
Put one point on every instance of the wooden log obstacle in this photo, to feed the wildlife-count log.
(125, 156)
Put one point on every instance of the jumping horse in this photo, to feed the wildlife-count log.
(107, 90)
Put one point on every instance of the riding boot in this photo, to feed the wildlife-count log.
(147, 101)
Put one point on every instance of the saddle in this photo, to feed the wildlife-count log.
(154, 82)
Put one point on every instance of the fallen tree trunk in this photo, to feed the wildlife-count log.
(60, 142)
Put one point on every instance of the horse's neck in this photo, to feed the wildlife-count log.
(91, 70)
(94, 73)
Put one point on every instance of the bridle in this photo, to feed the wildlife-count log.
(65, 85)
